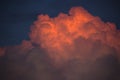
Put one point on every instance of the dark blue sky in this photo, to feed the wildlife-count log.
(16, 16)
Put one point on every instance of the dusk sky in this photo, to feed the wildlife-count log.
(59, 40)
(16, 17)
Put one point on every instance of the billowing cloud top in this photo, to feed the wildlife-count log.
(57, 34)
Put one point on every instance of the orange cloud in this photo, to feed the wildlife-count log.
(57, 34)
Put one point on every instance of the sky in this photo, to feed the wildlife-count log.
(59, 40)
(16, 17)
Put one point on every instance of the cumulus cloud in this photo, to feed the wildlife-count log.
(57, 34)
(74, 46)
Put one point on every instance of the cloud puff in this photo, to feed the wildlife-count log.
(57, 34)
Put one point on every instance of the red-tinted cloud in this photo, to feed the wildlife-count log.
(55, 34)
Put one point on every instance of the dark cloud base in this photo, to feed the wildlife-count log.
(35, 65)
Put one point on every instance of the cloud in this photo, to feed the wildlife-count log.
(94, 62)
(74, 46)
(57, 34)
(26, 62)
